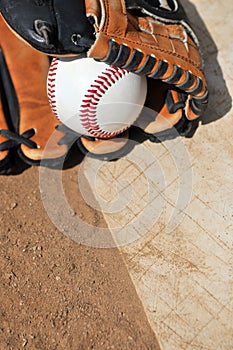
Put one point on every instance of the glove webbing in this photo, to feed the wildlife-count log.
(118, 55)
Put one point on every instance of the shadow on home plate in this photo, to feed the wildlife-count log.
(131, 191)
(220, 101)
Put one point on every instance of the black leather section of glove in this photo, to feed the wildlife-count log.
(169, 9)
(54, 27)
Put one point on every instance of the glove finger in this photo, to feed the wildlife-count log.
(164, 107)
(35, 122)
(161, 49)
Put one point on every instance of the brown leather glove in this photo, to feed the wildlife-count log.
(26, 120)
(5, 158)
(151, 39)
(148, 37)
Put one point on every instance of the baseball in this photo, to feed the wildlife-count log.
(93, 98)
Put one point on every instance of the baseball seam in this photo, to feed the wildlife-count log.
(89, 105)
(51, 86)
(88, 109)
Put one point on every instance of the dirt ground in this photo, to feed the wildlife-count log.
(58, 294)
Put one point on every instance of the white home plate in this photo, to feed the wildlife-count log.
(183, 275)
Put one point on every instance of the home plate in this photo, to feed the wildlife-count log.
(169, 207)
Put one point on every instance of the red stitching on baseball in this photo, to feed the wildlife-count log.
(51, 87)
(89, 104)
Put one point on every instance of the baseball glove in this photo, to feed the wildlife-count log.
(26, 120)
(147, 37)
(151, 38)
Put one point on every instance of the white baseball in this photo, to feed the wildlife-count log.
(93, 98)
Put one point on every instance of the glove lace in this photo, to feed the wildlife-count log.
(15, 139)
